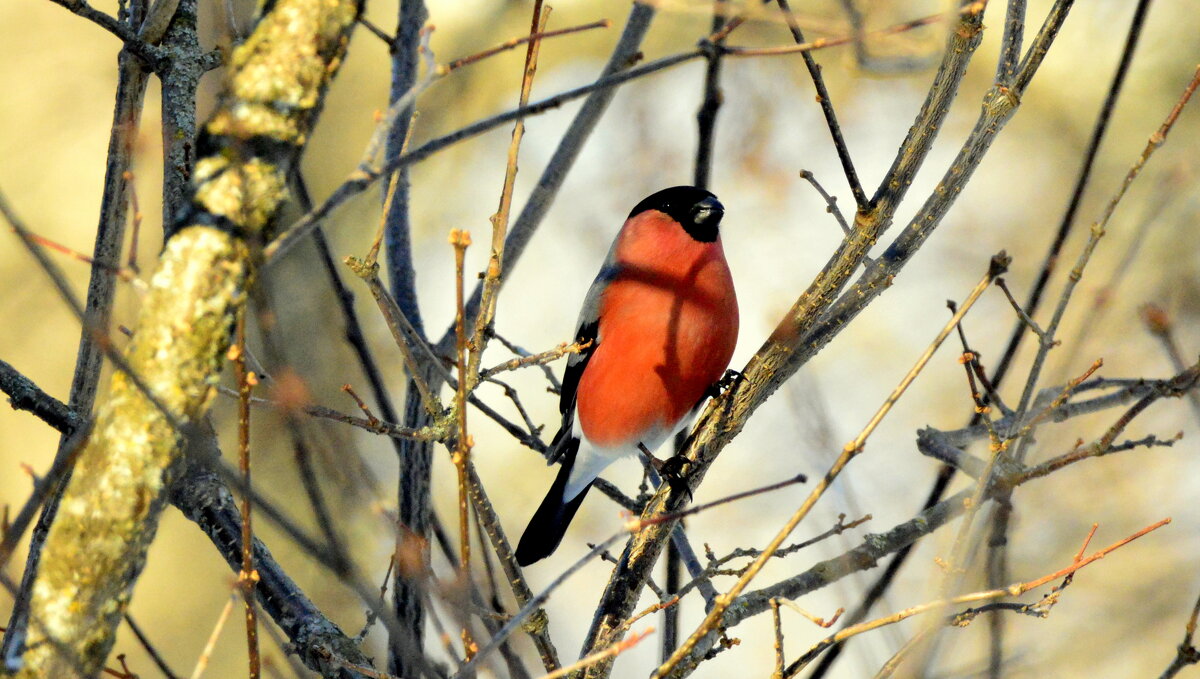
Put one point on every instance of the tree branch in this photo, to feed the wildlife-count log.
(180, 337)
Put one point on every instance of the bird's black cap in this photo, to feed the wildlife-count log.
(697, 210)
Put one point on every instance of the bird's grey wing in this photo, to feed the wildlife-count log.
(587, 330)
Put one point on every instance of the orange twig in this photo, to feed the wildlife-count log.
(973, 8)
(612, 651)
(248, 577)
(516, 42)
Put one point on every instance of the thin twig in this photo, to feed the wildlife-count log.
(816, 620)
(538, 359)
(512, 395)
(462, 449)
(975, 371)
(830, 201)
(889, 668)
(1021, 313)
(489, 524)
(151, 54)
(210, 645)
(612, 651)
(401, 329)
(664, 518)
(534, 605)
(555, 386)
(151, 651)
(126, 274)
(835, 130)
(248, 577)
(715, 563)
(706, 116)
(1159, 323)
(377, 31)
(1186, 654)
(535, 36)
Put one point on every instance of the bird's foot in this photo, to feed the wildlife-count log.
(717, 388)
(670, 470)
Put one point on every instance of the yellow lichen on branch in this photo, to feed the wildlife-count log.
(280, 71)
(107, 518)
(109, 513)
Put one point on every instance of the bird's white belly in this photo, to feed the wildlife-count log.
(593, 459)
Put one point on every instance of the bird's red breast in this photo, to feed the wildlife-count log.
(668, 326)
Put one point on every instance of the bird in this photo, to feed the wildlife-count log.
(656, 332)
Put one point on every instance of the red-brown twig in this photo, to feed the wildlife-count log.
(776, 602)
(612, 651)
(126, 274)
(248, 577)
(822, 43)
(516, 42)
(360, 403)
(468, 370)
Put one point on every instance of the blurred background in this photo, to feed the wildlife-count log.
(1123, 617)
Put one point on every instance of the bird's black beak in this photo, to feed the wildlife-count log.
(707, 213)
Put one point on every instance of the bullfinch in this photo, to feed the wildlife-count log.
(661, 318)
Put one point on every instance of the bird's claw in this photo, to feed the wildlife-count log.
(726, 381)
(669, 470)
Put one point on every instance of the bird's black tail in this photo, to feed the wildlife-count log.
(550, 521)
